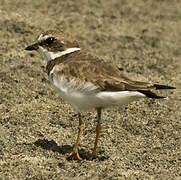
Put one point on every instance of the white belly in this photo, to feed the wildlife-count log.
(84, 97)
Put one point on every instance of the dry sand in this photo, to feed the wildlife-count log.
(37, 128)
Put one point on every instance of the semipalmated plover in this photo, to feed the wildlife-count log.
(86, 81)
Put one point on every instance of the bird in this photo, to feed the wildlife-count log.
(86, 81)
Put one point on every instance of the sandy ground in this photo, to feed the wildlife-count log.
(37, 128)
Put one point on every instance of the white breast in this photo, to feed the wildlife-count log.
(86, 96)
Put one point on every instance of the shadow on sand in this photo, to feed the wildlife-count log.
(65, 149)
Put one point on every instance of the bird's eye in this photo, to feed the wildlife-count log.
(50, 40)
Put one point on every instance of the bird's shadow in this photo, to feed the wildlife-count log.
(64, 149)
(52, 145)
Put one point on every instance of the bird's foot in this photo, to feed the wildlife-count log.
(74, 155)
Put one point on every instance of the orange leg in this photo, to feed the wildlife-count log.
(98, 130)
(75, 153)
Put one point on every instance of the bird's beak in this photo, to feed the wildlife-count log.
(32, 47)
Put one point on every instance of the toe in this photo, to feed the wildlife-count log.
(74, 155)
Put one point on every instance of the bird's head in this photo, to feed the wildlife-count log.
(52, 44)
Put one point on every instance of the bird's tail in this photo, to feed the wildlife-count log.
(158, 86)
(152, 95)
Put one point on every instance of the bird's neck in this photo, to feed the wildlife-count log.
(49, 55)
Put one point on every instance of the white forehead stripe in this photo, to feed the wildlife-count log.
(41, 37)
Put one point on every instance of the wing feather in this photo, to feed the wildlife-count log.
(87, 68)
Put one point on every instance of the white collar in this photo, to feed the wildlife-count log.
(49, 55)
